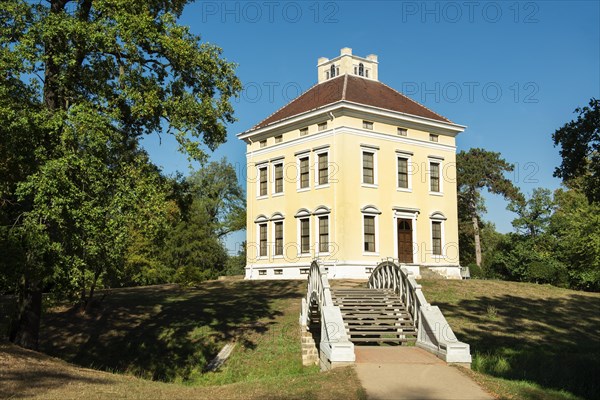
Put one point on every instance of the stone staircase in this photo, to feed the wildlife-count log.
(374, 316)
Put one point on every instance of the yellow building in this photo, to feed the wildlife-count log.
(351, 172)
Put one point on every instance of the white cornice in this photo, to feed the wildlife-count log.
(353, 131)
(445, 127)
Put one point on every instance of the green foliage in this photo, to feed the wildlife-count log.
(236, 264)
(193, 250)
(222, 197)
(479, 169)
(79, 88)
(533, 213)
(579, 141)
(575, 227)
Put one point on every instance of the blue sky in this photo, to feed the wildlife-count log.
(513, 72)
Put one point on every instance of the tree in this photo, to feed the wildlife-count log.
(217, 187)
(574, 224)
(580, 151)
(478, 169)
(534, 213)
(91, 77)
(195, 247)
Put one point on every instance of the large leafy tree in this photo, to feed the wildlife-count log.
(579, 141)
(479, 169)
(82, 81)
(194, 248)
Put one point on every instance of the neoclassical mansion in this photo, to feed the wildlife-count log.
(351, 172)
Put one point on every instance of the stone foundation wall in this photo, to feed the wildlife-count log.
(310, 354)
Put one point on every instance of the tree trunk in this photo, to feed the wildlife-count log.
(477, 240)
(25, 328)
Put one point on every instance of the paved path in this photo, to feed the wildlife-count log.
(396, 373)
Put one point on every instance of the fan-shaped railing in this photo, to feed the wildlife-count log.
(335, 346)
(433, 331)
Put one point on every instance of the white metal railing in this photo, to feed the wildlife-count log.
(335, 346)
(433, 331)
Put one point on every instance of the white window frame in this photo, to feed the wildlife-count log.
(440, 162)
(317, 153)
(277, 217)
(373, 150)
(261, 221)
(370, 211)
(438, 217)
(409, 170)
(322, 211)
(299, 156)
(303, 215)
(259, 167)
(274, 193)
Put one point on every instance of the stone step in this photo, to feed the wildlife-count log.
(382, 340)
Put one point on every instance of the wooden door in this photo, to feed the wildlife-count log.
(405, 241)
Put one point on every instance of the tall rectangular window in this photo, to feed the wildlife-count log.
(304, 173)
(279, 238)
(324, 234)
(263, 181)
(278, 178)
(304, 235)
(402, 173)
(368, 167)
(262, 240)
(369, 233)
(323, 169)
(436, 237)
(434, 177)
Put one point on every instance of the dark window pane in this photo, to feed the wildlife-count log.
(369, 234)
(304, 235)
(434, 179)
(304, 172)
(323, 169)
(436, 237)
(403, 173)
(279, 178)
(278, 238)
(323, 234)
(263, 181)
(263, 240)
(368, 169)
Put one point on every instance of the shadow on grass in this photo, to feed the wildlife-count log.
(165, 333)
(27, 373)
(554, 342)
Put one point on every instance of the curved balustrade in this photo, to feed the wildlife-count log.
(335, 347)
(433, 331)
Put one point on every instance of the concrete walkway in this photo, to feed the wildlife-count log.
(396, 373)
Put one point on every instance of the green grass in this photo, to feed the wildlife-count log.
(528, 341)
(170, 333)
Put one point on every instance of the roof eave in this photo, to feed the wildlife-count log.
(450, 126)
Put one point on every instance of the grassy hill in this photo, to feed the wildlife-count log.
(528, 341)
(168, 333)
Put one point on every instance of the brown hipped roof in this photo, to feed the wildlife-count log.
(353, 89)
